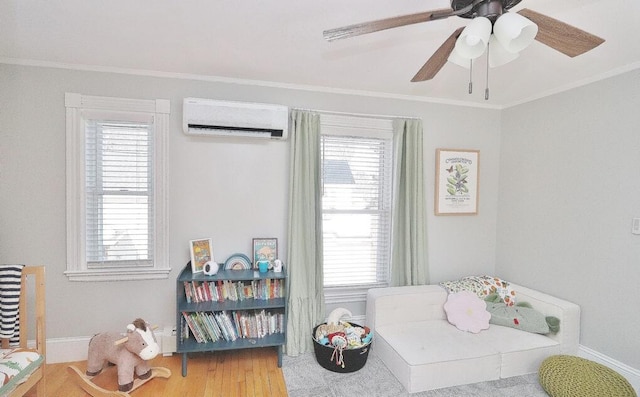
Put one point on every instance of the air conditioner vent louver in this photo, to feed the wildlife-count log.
(235, 119)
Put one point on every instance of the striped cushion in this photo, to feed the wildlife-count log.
(10, 277)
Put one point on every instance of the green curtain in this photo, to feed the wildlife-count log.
(409, 219)
(305, 298)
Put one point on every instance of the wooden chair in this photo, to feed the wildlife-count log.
(37, 376)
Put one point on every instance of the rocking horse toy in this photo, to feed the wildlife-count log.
(130, 354)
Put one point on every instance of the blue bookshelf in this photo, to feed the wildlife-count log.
(203, 299)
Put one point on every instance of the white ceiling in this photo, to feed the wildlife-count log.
(281, 42)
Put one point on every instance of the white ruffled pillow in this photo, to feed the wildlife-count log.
(467, 312)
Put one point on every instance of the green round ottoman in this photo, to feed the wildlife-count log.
(571, 376)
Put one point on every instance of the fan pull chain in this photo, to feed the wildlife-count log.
(470, 74)
(486, 90)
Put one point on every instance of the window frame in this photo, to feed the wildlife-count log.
(78, 109)
(364, 126)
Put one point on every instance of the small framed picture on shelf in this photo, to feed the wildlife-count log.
(264, 249)
(201, 253)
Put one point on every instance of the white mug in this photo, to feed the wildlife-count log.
(277, 266)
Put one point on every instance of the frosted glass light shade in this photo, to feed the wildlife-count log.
(474, 38)
(459, 60)
(498, 56)
(514, 31)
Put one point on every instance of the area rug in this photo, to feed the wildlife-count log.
(306, 378)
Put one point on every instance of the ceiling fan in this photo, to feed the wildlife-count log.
(468, 44)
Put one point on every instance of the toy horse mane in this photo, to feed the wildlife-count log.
(140, 323)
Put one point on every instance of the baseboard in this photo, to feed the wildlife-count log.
(631, 374)
(64, 350)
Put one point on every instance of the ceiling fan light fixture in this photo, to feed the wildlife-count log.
(514, 31)
(474, 38)
(498, 55)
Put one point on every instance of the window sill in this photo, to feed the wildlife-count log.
(117, 274)
(358, 293)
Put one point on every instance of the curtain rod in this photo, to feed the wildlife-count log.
(328, 112)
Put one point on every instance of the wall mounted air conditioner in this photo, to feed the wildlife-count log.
(210, 117)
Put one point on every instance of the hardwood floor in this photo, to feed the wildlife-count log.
(236, 373)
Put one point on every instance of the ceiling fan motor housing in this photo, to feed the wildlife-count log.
(491, 9)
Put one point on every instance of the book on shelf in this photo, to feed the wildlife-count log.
(206, 326)
(221, 290)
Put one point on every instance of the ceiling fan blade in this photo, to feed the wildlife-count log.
(438, 59)
(561, 36)
(388, 23)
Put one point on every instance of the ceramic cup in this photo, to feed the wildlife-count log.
(263, 266)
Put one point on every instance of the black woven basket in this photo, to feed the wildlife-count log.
(352, 359)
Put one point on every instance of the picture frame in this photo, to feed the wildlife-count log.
(201, 253)
(264, 249)
(457, 181)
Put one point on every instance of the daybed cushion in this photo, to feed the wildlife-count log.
(521, 352)
(455, 357)
(425, 352)
(15, 367)
(432, 354)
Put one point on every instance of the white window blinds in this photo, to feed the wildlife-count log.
(116, 166)
(356, 203)
(119, 193)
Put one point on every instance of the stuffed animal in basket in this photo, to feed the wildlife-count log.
(129, 353)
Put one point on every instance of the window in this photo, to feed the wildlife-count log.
(116, 195)
(356, 202)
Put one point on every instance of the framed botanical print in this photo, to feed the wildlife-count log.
(457, 181)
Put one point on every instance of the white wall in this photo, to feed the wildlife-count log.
(228, 190)
(569, 188)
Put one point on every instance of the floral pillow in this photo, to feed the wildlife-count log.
(464, 284)
(495, 285)
(483, 286)
(467, 312)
